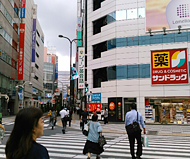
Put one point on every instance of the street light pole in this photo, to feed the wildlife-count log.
(71, 96)
(30, 83)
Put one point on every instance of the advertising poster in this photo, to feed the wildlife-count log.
(21, 52)
(93, 106)
(115, 109)
(167, 13)
(169, 67)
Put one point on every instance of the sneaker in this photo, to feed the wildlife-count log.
(97, 157)
(88, 157)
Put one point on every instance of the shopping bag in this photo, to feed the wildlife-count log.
(144, 140)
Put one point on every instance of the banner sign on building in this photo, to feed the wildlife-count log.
(81, 67)
(21, 52)
(34, 40)
(169, 67)
(22, 9)
(96, 97)
(79, 25)
(167, 13)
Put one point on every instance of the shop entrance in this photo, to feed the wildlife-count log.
(174, 110)
(127, 104)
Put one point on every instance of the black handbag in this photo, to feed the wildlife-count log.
(101, 140)
(85, 130)
(133, 127)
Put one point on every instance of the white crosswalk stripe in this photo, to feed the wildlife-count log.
(70, 145)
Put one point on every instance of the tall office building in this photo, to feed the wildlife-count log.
(138, 55)
(63, 80)
(31, 53)
(9, 35)
(50, 75)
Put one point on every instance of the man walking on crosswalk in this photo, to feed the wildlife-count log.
(63, 114)
(130, 118)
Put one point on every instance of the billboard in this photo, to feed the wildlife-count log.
(21, 51)
(167, 13)
(93, 106)
(169, 67)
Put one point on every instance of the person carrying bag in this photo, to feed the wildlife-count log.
(92, 144)
(133, 120)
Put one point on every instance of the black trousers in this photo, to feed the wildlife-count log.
(132, 138)
(105, 120)
(84, 121)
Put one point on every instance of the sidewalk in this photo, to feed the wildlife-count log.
(113, 127)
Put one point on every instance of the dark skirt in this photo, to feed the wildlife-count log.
(92, 147)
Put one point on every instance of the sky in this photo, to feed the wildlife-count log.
(59, 17)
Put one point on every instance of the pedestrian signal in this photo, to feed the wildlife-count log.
(86, 87)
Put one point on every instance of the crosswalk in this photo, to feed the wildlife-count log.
(70, 145)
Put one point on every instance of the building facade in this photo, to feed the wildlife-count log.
(122, 47)
(9, 34)
(33, 55)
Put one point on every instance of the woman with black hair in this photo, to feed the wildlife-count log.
(92, 145)
(22, 141)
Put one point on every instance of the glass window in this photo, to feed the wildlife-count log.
(111, 44)
(121, 72)
(121, 15)
(111, 17)
(132, 41)
(133, 71)
(132, 13)
(112, 73)
(141, 12)
(144, 70)
(121, 42)
(182, 37)
(156, 39)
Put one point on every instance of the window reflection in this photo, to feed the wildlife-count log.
(131, 13)
(121, 15)
(141, 12)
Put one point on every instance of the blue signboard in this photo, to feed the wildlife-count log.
(22, 12)
(96, 97)
(34, 40)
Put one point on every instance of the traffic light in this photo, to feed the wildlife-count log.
(86, 87)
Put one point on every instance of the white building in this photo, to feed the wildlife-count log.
(119, 49)
(33, 44)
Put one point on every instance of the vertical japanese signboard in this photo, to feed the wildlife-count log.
(169, 67)
(21, 52)
(22, 8)
(81, 67)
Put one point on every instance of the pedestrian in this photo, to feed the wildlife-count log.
(131, 117)
(52, 117)
(164, 116)
(83, 118)
(105, 115)
(70, 116)
(27, 128)
(55, 118)
(91, 145)
(63, 114)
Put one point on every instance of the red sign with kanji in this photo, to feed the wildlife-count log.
(169, 67)
(21, 51)
(93, 106)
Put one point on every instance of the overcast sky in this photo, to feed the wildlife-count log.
(58, 17)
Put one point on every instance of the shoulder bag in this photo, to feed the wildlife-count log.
(133, 127)
(85, 130)
(101, 140)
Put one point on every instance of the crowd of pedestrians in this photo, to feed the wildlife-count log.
(29, 126)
